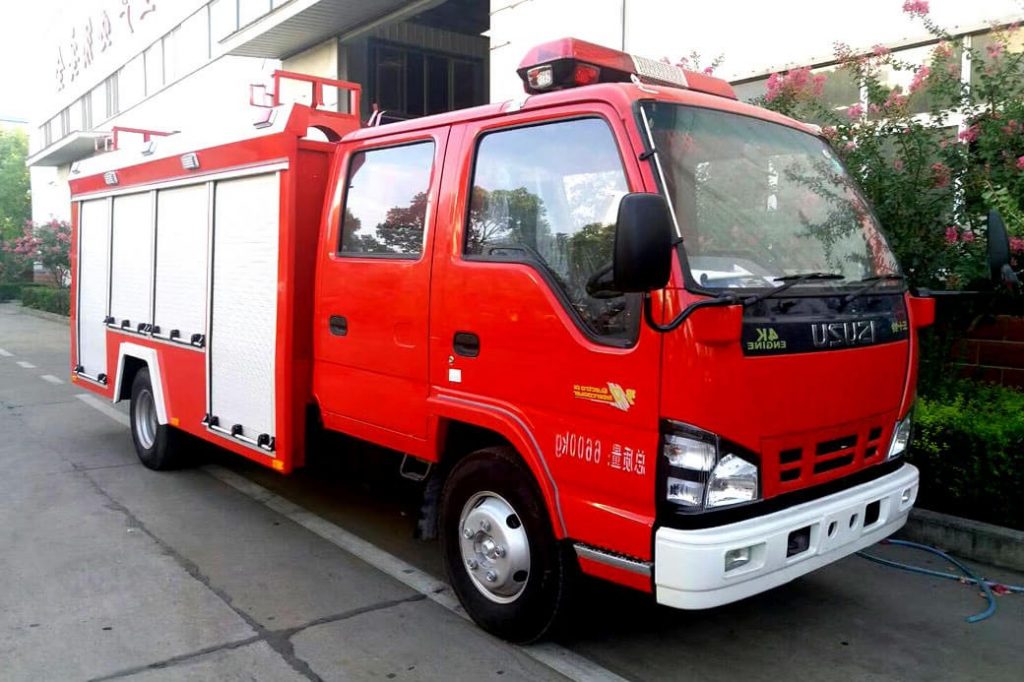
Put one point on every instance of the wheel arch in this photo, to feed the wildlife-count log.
(132, 357)
(465, 426)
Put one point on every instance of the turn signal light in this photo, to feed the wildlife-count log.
(586, 74)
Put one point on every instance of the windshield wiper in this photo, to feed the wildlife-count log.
(869, 284)
(792, 281)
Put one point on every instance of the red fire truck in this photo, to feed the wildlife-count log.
(633, 326)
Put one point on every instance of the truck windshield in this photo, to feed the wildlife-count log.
(757, 201)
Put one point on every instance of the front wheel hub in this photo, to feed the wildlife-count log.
(494, 547)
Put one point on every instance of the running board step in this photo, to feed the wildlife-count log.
(613, 559)
(414, 469)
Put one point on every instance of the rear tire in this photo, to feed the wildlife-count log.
(156, 444)
(509, 572)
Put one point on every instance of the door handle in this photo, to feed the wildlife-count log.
(339, 325)
(466, 344)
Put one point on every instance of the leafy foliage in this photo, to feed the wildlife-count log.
(400, 233)
(968, 443)
(50, 299)
(9, 291)
(930, 182)
(15, 202)
(49, 244)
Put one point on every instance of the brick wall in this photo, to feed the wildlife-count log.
(994, 351)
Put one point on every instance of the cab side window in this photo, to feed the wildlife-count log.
(386, 201)
(548, 195)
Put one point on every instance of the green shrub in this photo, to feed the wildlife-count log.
(9, 292)
(48, 299)
(969, 444)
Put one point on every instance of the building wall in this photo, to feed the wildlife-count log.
(51, 194)
(321, 60)
(994, 351)
(107, 56)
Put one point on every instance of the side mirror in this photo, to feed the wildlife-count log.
(642, 259)
(999, 251)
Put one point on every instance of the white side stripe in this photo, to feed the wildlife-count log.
(26, 365)
(5, 354)
(52, 379)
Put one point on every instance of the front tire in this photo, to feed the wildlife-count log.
(502, 559)
(155, 443)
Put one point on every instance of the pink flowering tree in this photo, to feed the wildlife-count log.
(48, 244)
(933, 156)
(695, 62)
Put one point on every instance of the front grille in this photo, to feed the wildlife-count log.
(802, 460)
(835, 463)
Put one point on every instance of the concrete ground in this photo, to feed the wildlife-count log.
(232, 572)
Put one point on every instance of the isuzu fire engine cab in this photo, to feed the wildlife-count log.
(637, 327)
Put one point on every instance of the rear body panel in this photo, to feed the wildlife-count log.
(260, 363)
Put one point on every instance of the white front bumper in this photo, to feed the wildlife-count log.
(689, 565)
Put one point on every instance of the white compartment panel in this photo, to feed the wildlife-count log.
(131, 273)
(93, 279)
(244, 322)
(181, 244)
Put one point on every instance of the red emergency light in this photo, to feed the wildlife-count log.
(570, 63)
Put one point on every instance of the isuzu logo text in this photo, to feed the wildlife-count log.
(839, 334)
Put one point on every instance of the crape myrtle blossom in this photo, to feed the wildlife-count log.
(797, 83)
(917, 8)
(920, 76)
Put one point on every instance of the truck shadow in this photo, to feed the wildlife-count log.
(356, 486)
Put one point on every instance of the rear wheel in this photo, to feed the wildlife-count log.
(155, 443)
(508, 570)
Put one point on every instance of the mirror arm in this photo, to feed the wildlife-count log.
(726, 300)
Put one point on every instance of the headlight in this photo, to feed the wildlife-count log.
(901, 436)
(700, 475)
(733, 481)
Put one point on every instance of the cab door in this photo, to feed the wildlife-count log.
(518, 324)
(374, 289)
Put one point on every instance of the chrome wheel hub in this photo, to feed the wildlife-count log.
(145, 421)
(494, 547)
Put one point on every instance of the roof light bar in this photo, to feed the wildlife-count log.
(569, 63)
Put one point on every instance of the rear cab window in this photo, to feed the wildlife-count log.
(386, 200)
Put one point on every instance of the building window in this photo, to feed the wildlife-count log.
(750, 91)
(47, 134)
(131, 83)
(154, 67)
(97, 104)
(407, 82)
(386, 201)
(251, 10)
(919, 102)
(85, 105)
(187, 47)
(65, 122)
(547, 195)
(1005, 45)
(113, 105)
(223, 18)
